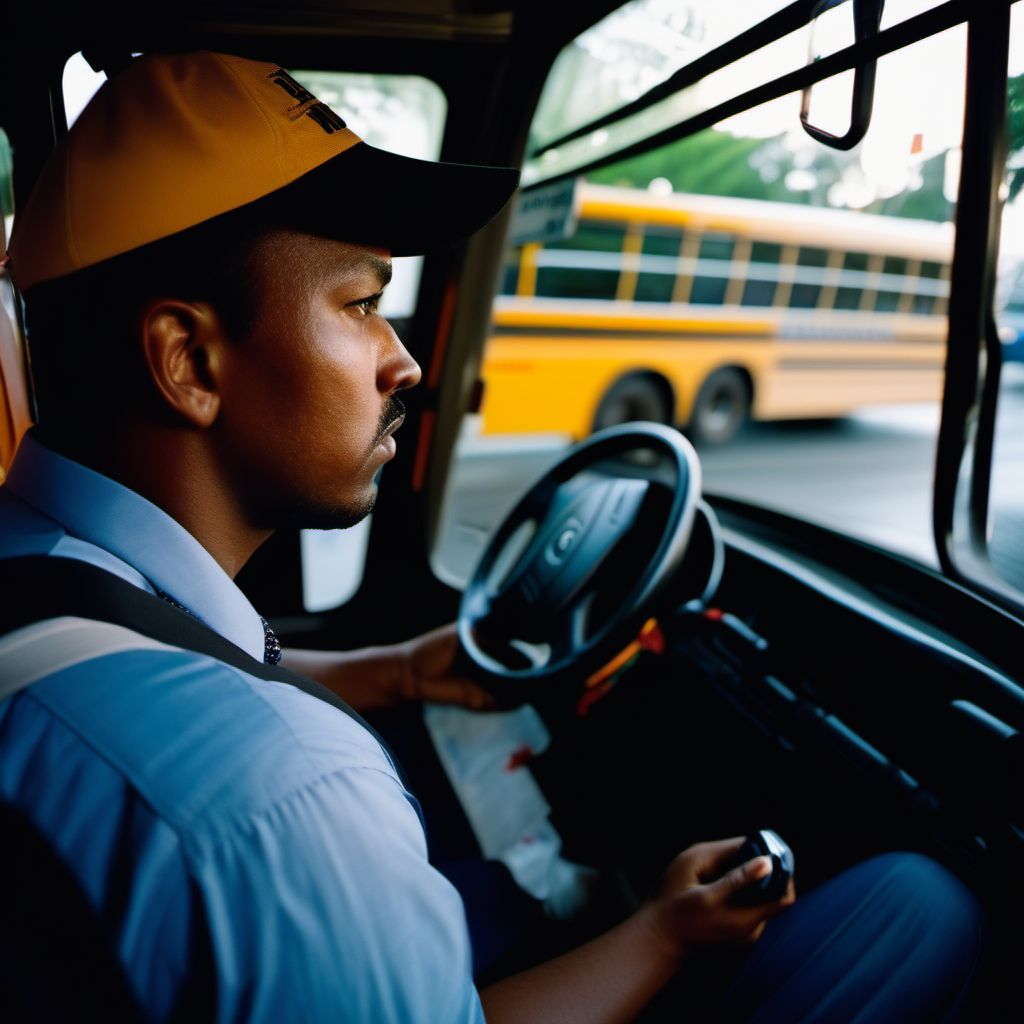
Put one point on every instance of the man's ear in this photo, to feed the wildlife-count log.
(182, 344)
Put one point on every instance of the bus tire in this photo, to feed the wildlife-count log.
(638, 396)
(721, 407)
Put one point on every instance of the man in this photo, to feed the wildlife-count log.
(202, 261)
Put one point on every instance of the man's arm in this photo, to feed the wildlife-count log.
(381, 677)
(613, 977)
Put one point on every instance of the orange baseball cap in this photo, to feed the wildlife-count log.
(174, 140)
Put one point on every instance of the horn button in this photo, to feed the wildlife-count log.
(569, 549)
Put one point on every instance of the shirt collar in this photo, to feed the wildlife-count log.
(99, 510)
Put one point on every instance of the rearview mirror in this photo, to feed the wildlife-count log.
(836, 25)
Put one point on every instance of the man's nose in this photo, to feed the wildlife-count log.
(398, 369)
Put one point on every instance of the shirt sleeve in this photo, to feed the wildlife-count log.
(323, 907)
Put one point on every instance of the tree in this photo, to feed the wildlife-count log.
(1015, 115)
(719, 164)
(6, 168)
(716, 163)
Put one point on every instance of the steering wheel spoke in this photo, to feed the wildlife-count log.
(569, 631)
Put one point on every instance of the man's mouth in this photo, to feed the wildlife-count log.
(392, 427)
(392, 417)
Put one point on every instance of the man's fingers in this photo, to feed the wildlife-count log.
(712, 859)
(456, 691)
(783, 903)
(742, 876)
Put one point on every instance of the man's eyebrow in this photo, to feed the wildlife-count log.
(378, 265)
(339, 270)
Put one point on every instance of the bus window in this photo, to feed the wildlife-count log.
(714, 269)
(762, 275)
(661, 250)
(807, 288)
(585, 281)
(584, 266)
(850, 292)
(891, 291)
(510, 271)
(932, 288)
(662, 241)
(592, 236)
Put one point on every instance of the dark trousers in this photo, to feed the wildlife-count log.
(895, 939)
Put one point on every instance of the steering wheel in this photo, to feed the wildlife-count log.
(578, 566)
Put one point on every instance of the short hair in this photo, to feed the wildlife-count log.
(82, 328)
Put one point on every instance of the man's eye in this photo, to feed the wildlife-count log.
(364, 307)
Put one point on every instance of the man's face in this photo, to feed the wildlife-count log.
(309, 395)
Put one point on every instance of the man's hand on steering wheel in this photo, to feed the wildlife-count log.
(421, 669)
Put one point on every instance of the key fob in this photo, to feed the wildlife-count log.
(765, 843)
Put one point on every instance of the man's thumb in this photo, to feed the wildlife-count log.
(746, 874)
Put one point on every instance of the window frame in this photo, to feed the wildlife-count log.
(973, 354)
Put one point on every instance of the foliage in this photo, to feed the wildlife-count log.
(6, 194)
(717, 163)
(1015, 114)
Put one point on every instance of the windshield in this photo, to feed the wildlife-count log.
(785, 304)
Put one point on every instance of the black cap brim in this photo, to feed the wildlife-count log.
(372, 197)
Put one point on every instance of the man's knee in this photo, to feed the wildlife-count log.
(921, 900)
(894, 938)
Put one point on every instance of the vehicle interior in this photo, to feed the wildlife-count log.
(853, 695)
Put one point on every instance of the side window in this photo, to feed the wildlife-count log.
(593, 236)
(797, 266)
(809, 278)
(585, 266)
(405, 114)
(850, 293)
(932, 288)
(890, 291)
(510, 271)
(659, 263)
(78, 84)
(14, 400)
(576, 282)
(714, 269)
(1006, 488)
(762, 274)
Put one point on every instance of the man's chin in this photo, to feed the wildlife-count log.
(326, 517)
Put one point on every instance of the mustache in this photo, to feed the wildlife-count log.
(394, 409)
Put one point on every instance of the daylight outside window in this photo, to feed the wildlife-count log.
(783, 302)
(1006, 497)
(404, 114)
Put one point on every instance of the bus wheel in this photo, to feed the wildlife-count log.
(640, 396)
(721, 407)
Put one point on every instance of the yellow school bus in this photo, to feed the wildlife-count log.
(728, 308)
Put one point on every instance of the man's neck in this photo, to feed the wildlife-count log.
(172, 469)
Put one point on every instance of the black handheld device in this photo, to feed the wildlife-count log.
(765, 843)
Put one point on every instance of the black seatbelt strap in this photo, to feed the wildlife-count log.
(38, 587)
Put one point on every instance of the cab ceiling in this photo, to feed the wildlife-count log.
(111, 25)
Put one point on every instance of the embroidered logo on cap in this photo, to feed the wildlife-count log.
(319, 112)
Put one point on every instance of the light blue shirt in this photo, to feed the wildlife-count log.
(244, 807)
